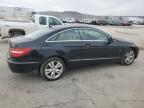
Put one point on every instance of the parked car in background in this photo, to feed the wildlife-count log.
(126, 23)
(141, 23)
(114, 23)
(17, 28)
(87, 21)
(93, 22)
(99, 22)
(119, 23)
(50, 51)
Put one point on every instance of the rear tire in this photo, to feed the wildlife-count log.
(128, 57)
(16, 34)
(52, 69)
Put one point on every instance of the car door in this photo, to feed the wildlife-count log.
(66, 44)
(96, 45)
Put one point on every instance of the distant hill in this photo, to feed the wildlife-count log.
(77, 15)
(71, 14)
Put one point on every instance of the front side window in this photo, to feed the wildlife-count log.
(90, 34)
(67, 35)
(54, 21)
(42, 20)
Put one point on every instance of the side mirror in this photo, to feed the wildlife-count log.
(110, 40)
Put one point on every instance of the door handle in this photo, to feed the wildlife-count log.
(87, 45)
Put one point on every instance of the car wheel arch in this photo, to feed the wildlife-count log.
(17, 30)
(64, 60)
(134, 51)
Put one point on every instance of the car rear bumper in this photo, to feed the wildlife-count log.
(22, 67)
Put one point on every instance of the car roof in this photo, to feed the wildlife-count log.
(69, 26)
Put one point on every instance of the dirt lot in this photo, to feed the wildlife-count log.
(96, 86)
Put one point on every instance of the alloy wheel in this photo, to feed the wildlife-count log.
(129, 57)
(53, 69)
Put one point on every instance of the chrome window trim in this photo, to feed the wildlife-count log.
(94, 59)
(47, 40)
(78, 41)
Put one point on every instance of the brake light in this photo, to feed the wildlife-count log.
(18, 52)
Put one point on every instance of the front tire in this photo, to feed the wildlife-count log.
(52, 69)
(128, 57)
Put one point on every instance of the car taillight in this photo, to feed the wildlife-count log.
(18, 52)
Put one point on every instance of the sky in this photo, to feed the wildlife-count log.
(93, 7)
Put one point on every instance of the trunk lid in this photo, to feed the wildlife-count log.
(17, 42)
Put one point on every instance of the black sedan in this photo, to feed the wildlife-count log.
(50, 51)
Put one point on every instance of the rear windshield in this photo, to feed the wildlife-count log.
(38, 34)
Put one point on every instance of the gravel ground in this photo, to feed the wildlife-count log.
(95, 86)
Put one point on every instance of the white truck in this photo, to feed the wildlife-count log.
(13, 28)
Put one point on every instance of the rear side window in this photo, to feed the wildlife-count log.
(38, 34)
(42, 20)
(90, 34)
(67, 35)
(53, 21)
